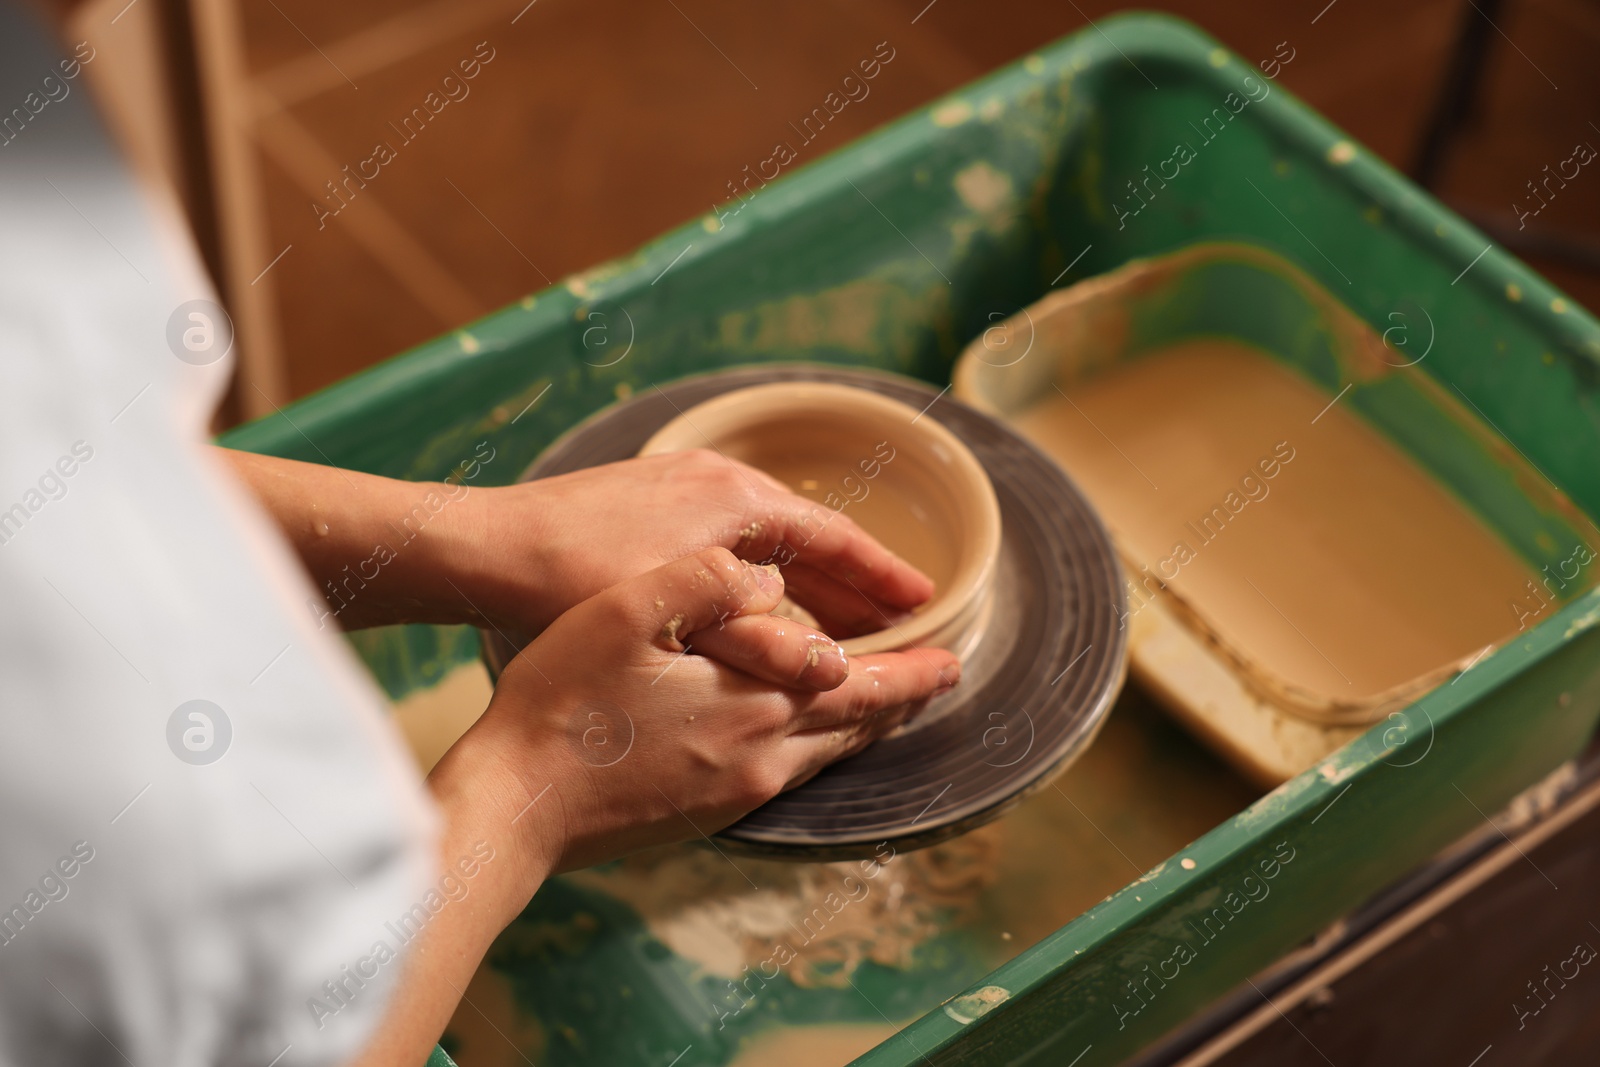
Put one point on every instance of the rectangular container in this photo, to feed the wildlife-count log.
(1223, 690)
(895, 252)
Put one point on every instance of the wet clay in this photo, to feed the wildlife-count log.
(1287, 527)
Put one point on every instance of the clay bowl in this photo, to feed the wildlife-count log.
(901, 476)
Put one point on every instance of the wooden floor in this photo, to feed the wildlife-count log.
(598, 125)
(1481, 959)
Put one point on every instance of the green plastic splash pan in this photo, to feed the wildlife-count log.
(895, 252)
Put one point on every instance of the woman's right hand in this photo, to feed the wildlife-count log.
(661, 709)
(669, 706)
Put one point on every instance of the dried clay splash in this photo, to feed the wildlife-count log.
(815, 922)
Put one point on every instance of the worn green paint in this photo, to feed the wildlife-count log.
(809, 268)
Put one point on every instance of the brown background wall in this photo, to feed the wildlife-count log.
(600, 123)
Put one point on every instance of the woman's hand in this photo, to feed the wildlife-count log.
(631, 734)
(544, 546)
(612, 732)
(514, 558)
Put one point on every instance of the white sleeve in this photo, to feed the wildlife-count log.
(206, 825)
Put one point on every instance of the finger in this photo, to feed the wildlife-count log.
(816, 749)
(803, 531)
(693, 593)
(775, 650)
(841, 610)
(885, 680)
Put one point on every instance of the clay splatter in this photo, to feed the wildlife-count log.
(823, 920)
(970, 1007)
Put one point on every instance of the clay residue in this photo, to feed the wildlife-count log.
(816, 923)
(1583, 622)
(1539, 799)
(866, 316)
(951, 113)
(988, 193)
(970, 1007)
(669, 632)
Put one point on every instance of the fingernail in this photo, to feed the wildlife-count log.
(826, 664)
(768, 577)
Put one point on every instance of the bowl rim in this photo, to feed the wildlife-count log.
(965, 592)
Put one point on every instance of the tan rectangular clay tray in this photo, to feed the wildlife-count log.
(1301, 561)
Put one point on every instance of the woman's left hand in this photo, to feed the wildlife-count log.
(541, 547)
(515, 558)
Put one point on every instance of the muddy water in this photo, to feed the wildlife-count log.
(1292, 528)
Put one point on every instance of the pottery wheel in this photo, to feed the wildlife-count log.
(1032, 694)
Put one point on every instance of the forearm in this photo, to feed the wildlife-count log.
(486, 814)
(516, 557)
(380, 550)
